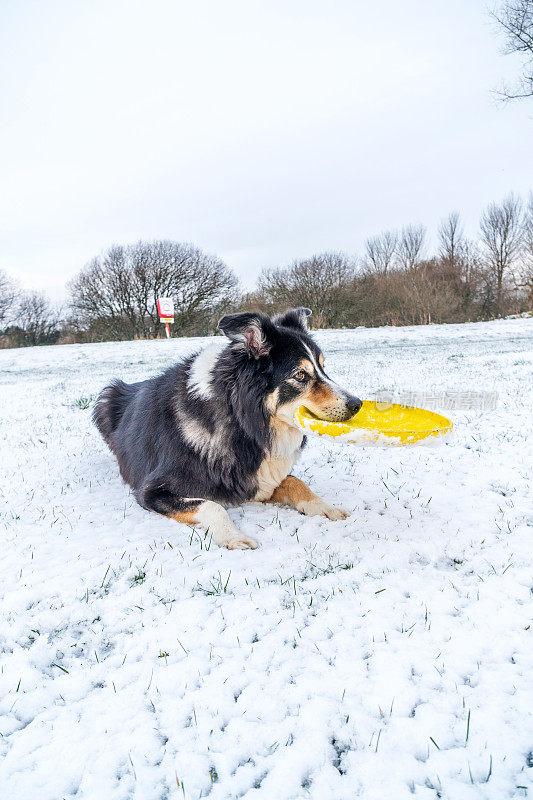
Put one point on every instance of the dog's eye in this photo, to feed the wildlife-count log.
(300, 375)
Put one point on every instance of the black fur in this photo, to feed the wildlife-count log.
(148, 425)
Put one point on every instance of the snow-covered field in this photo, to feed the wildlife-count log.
(387, 656)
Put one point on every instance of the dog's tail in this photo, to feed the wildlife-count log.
(109, 408)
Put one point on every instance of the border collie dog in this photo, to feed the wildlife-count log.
(218, 429)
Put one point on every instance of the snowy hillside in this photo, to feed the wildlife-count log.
(385, 657)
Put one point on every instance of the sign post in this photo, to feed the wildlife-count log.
(165, 309)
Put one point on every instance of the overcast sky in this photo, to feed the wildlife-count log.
(262, 131)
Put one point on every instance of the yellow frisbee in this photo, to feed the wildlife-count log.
(380, 424)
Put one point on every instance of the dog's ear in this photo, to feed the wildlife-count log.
(251, 330)
(293, 318)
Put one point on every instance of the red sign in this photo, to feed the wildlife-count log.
(165, 309)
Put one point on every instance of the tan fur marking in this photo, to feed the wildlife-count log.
(292, 491)
(322, 395)
(271, 401)
(306, 365)
(188, 517)
(321, 360)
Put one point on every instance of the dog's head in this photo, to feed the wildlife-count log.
(291, 363)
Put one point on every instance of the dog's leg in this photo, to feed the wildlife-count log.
(294, 492)
(196, 511)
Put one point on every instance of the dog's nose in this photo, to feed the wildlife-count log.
(354, 405)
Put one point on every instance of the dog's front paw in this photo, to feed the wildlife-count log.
(319, 508)
(240, 542)
(335, 512)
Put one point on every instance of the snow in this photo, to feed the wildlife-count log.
(387, 656)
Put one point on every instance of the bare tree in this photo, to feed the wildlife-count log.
(501, 238)
(411, 246)
(115, 294)
(319, 282)
(471, 279)
(380, 251)
(9, 293)
(451, 239)
(515, 19)
(523, 276)
(38, 319)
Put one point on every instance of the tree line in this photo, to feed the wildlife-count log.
(395, 282)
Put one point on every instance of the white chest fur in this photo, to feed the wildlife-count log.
(285, 450)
